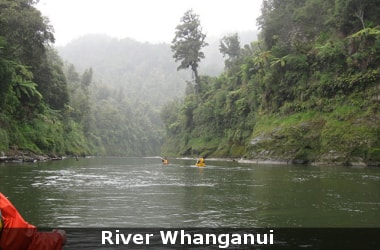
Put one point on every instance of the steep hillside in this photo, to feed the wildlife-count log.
(306, 92)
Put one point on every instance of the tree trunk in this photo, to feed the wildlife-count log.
(196, 78)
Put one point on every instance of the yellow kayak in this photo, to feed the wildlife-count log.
(200, 164)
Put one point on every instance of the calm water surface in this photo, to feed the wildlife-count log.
(141, 192)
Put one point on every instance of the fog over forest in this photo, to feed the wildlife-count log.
(145, 71)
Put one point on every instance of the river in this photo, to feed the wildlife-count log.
(142, 192)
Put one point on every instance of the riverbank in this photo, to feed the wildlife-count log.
(16, 155)
(345, 136)
(262, 161)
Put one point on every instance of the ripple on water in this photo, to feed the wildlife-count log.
(184, 195)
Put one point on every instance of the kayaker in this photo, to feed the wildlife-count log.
(17, 234)
(201, 161)
(165, 160)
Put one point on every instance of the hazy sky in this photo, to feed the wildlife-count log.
(145, 20)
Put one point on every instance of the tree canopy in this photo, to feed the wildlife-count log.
(307, 91)
(230, 46)
(188, 43)
(26, 37)
(48, 107)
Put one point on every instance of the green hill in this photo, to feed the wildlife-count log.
(307, 92)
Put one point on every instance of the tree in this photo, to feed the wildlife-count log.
(26, 30)
(230, 46)
(87, 78)
(353, 15)
(17, 88)
(51, 80)
(276, 22)
(291, 24)
(28, 35)
(188, 42)
(80, 98)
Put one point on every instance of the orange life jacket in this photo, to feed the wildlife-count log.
(18, 234)
(1, 223)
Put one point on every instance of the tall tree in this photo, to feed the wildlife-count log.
(230, 46)
(188, 42)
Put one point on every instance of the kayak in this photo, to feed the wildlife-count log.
(200, 164)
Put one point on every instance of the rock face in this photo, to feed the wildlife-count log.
(318, 143)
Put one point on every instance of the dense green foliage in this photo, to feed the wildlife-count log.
(47, 107)
(230, 46)
(25, 52)
(307, 91)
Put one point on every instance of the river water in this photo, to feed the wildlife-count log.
(142, 192)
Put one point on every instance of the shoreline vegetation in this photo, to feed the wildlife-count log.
(283, 162)
(27, 155)
(306, 92)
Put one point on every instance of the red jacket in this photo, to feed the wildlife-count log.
(17, 234)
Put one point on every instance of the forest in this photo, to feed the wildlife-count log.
(307, 91)
(49, 108)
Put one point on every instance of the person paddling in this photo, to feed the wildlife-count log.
(165, 160)
(16, 233)
(200, 162)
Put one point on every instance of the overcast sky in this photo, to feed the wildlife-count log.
(145, 20)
